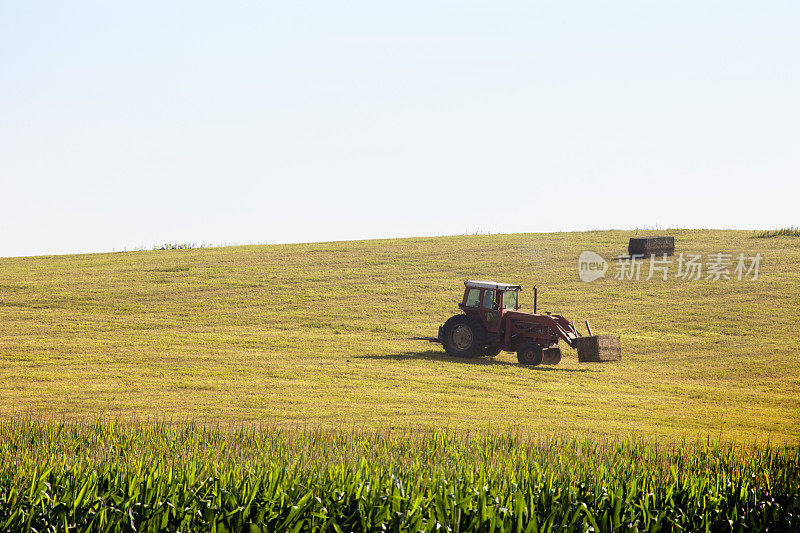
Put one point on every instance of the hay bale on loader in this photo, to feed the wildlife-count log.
(598, 348)
(647, 246)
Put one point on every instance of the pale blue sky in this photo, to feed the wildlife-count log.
(124, 125)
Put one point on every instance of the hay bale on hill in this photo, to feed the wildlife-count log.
(647, 246)
(599, 348)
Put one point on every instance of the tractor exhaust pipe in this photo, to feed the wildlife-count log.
(534, 299)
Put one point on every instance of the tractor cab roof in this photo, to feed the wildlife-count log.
(493, 285)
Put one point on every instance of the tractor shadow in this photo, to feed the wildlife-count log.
(442, 357)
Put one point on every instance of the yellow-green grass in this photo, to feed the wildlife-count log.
(317, 335)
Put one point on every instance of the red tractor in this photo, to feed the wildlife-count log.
(492, 322)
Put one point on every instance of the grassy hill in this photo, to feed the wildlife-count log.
(318, 335)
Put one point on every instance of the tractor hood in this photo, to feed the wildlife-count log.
(563, 327)
(516, 314)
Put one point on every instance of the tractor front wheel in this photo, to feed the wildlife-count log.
(529, 353)
(463, 336)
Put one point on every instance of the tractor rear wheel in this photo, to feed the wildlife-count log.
(463, 336)
(529, 353)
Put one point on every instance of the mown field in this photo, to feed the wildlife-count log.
(126, 477)
(317, 335)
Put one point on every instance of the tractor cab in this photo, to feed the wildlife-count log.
(488, 301)
(490, 295)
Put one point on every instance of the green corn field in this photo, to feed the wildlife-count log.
(114, 476)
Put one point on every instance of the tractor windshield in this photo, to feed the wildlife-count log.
(509, 299)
